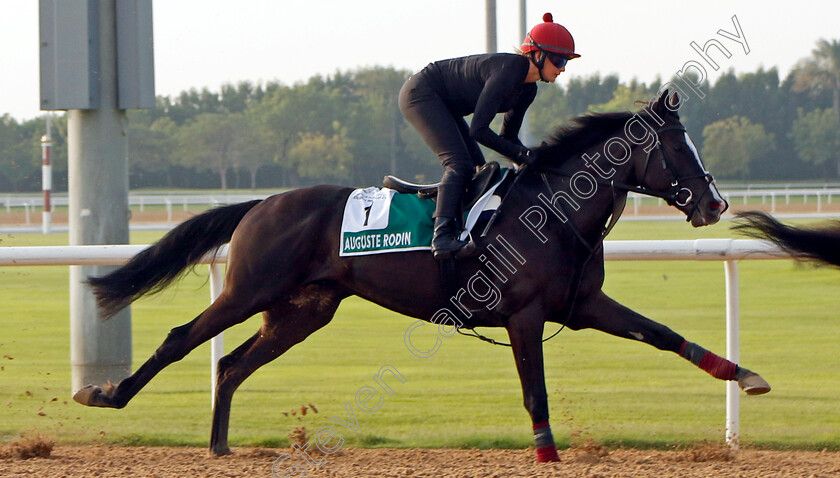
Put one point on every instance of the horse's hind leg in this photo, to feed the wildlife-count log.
(607, 315)
(283, 326)
(223, 313)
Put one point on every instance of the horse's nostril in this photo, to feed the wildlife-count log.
(715, 205)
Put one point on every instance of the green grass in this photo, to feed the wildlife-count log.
(611, 390)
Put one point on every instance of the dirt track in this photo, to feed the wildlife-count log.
(163, 462)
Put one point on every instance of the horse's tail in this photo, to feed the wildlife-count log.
(154, 268)
(821, 245)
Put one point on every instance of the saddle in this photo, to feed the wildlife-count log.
(486, 176)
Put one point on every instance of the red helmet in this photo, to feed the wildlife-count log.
(551, 37)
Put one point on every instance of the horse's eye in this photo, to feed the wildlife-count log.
(678, 148)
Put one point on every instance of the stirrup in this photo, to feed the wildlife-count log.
(444, 253)
(470, 250)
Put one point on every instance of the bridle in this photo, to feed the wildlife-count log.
(676, 195)
(672, 196)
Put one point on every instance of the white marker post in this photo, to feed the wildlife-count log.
(46, 178)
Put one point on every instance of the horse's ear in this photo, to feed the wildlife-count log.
(659, 106)
(667, 103)
(673, 102)
(663, 97)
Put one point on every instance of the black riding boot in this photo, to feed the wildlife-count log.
(445, 243)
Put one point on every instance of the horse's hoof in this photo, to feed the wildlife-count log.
(92, 396)
(220, 450)
(86, 395)
(547, 454)
(753, 384)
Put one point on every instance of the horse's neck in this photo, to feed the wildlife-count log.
(602, 163)
(583, 193)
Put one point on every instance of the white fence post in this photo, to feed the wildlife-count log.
(217, 343)
(733, 353)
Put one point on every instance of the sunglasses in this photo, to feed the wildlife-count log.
(556, 59)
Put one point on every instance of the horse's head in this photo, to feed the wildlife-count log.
(672, 166)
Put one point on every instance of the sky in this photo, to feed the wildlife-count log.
(207, 43)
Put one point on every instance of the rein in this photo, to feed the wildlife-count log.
(672, 197)
(619, 201)
(504, 344)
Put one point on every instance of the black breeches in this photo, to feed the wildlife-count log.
(445, 133)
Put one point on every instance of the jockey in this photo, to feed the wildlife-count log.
(436, 100)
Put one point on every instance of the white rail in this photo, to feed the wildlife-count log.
(675, 250)
(729, 251)
(184, 199)
(818, 196)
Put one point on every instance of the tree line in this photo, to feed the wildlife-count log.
(347, 129)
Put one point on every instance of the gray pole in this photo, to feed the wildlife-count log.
(491, 26)
(98, 193)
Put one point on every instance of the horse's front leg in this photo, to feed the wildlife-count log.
(525, 331)
(604, 314)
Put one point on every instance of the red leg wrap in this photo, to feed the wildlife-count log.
(546, 451)
(717, 367)
(547, 454)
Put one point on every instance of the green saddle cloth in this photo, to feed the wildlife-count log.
(381, 220)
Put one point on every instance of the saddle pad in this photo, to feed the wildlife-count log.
(378, 221)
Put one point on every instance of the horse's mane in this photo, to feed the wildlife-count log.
(583, 132)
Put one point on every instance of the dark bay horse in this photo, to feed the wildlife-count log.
(818, 244)
(542, 262)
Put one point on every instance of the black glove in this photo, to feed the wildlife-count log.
(526, 157)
